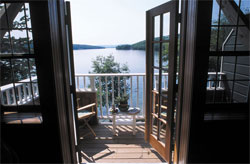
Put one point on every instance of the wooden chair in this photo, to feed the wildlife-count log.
(84, 114)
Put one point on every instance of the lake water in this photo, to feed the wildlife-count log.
(135, 59)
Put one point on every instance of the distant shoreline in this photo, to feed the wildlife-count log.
(89, 47)
(85, 47)
(108, 48)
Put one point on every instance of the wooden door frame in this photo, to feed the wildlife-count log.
(190, 10)
(56, 10)
(183, 23)
(172, 8)
(75, 129)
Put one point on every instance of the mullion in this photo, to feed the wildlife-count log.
(151, 130)
(236, 58)
(217, 49)
(26, 26)
(162, 69)
(31, 83)
(13, 81)
(10, 60)
(23, 56)
(229, 53)
(216, 77)
(160, 78)
(161, 41)
(7, 21)
(155, 67)
(7, 29)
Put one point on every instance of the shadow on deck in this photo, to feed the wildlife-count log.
(122, 148)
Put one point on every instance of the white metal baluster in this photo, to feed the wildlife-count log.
(154, 81)
(29, 91)
(19, 94)
(100, 94)
(84, 82)
(24, 92)
(14, 96)
(209, 84)
(8, 97)
(131, 90)
(78, 85)
(92, 83)
(165, 82)
(144, 97)
(157, 82)
(34, 90)
(113, 95)
(220, 80)
(124, 81)
(137, 101)
(106, 88)
(37, 90)
(118, 86)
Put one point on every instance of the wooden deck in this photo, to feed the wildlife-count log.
(122, 148)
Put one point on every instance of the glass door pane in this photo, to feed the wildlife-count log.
(161, 56)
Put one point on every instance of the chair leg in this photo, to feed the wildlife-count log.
(86, 123)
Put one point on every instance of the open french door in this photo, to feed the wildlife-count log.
(161, 68)
(69, 67)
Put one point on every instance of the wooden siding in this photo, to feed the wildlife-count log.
(242, 72)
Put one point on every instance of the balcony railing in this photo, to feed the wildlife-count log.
(22, 94)
(135, 87)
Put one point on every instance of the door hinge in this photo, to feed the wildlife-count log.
(179, 18)
(66, 20)
(77, 148)
(72, 89)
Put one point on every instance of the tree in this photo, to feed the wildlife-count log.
(107, 64)
(19, 44)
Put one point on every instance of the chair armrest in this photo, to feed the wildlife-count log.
(87, 106)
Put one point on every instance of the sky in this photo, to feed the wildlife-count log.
(110, 22)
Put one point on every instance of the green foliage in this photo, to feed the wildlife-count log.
(124, 47)
(20, 70)
(5, 72)
(19, 44)
(165, 57)
(122, 100)
(139, 46)
(21, 23)
(108, 65)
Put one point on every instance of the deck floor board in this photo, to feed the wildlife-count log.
(122, 148)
